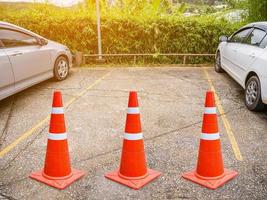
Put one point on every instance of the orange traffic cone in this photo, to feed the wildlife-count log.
(57, 171)
(210, 171)
(133, 171)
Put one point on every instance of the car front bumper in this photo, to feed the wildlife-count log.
(264, 89)
(70, 58)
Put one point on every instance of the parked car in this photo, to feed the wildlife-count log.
(27, 59)
(243, 56)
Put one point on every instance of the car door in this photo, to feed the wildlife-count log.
(229, 52)
(247, 53)
(6, 75)
(30, 62)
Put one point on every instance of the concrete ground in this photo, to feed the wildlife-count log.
(171, 101)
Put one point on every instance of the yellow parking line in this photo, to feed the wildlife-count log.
(45, 120)
(226, 123)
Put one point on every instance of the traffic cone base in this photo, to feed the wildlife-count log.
(58, 182)
(133, 182)
(211, 183)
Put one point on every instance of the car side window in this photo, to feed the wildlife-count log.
(240, 36)
(12, 38)
(263, 43)
(255, 37)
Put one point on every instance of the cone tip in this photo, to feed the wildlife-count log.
(209, 92)
(132, 92)
(57, 99)
(210, 100)
(133, 100)
(57, 92)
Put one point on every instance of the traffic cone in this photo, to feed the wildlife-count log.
(133, 171)
(210, 171)
(57, 171)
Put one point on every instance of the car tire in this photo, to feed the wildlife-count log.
(61, 68)
(253, 94)
(218, 66)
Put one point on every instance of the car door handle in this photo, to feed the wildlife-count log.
(252, 56)
(234, 50)
(16, 53)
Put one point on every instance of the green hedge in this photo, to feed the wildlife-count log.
(162, 34)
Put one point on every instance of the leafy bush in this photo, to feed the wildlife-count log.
(257, 10)
(123, 33)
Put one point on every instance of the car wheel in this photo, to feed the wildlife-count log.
(253, 94)
(61, 68)
(218, 66)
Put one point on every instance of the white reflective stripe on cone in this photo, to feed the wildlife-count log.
(57, 110)
(133, 136)
(57, 136)
(210, 110)
(210, 136)
(133, 110)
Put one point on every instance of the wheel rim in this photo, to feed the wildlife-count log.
(252, 92)
(218, 61)
(62, 68)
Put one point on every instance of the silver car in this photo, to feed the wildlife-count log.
(27, 59)
(244, 57)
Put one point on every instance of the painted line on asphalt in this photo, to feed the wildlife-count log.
(226, 123)
(29, 132)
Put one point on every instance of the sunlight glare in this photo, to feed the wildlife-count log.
(63, 3)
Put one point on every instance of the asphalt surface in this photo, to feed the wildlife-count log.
(171, 102)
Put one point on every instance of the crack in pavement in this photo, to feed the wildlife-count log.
(6, 197)
(184, 79)
(226, 95)
(14, 182)
(141, 94)
(80, 87)
(4, 132)
(61, 88)
(146, 139)
(183, 197)
(152, 138)
(24, 148)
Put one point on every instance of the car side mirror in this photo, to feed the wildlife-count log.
(223, 38)
(42, 41)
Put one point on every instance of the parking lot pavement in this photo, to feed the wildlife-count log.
(171, 101)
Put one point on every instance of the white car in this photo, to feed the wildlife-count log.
(27, 59)
(244, 57)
